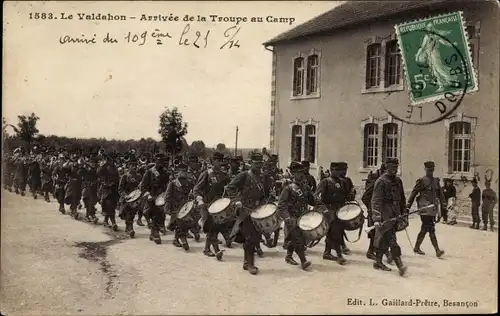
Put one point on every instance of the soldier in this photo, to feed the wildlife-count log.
(388, 202)
(449, 191)
(142, 203)
(332, 193)
(74, 185)
(110, 180)
(154, 182)
(89, 192)
(210, 187)
(34, 176)
(249, 192)
(59, 175)
(475, 197)
(179, 191)
(21, 171)
(429, 192)
(129, 182)
(308, 177)
(194, 171)
(46, 177)
(489, 200)
(366, 198)
(351, 195)
(292, 203)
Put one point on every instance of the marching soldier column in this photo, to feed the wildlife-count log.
(241, 202)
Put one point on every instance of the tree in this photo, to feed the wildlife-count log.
(197, 148)
(220, 147)
(26, 128)
(172, 129)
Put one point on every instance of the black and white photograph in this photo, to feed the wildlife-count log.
(250, 157)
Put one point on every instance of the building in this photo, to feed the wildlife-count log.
(331, 78)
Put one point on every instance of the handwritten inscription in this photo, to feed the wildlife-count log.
(190, 37)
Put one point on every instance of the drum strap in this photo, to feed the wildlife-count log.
(359, 234)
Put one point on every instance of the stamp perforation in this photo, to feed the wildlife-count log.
(473, 75)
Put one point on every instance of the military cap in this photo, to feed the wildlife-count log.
(343, 165)
(256, 157)
(393, 161)
(193, 158)
(429, 164)
(474, 180)
(274, 157)
(296, 166)
(218, 156)
(160, 156)
(305, 163)
(334, 165)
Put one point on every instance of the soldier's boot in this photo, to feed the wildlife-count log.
(289, 256)
(379, 264)
(439, 253)
(218, 253)
(163, 230)
(341, 260)
(74, 212)
(327, 254)
(401, 267)
(477, 225)
(94, 210)
(420, 239)
(492, 227)
(389, 257)
(46, 197)
(370, 253)
(61, 209)
(196, 236)
(485, 227)
(139, 222)
(148, 222)
(304, 263)
(188, 235)
(207, 251)
(23, 193)
(113, 223)
(88, 217)
(184, 243)
(176, 243)
(345, 250)
(131, 231)
(285, 245)
(106, 221)
(155, 236)
(252, 269)
(35, 196)
(227, 239)
(258, 251)
(473, 225)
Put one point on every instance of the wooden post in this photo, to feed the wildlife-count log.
(236, 143)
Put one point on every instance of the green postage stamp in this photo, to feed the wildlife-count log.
(436, 58)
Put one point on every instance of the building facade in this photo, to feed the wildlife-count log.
(331, 87)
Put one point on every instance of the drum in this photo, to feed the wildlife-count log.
(133, 198)
(222, 211)
(160, 199)
(186, 213)
(313, 225)
(265, 218)
(351, 216)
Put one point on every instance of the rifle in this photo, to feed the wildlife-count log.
(369, 229)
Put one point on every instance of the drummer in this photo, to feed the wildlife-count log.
(292, 203)
(351, 195)
(332, 193)
(154, 182)
(129, 182)
(177, 194)
(249, 192)
(210, 187)
(194, 171)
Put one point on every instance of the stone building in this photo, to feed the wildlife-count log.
(334, 76)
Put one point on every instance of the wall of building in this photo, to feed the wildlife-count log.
(342, 107)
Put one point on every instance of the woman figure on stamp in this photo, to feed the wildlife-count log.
(429, 56)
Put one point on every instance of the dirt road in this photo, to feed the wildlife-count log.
(52, 264)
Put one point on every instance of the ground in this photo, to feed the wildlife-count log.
(52, 264)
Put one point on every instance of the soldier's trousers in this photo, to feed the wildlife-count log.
(157, 218)
(59, 195)
(296, 240)
(487, 215)
(181, 229)
(20, 184)
(212, 230)
(129, 213)
(475, 214)
(388, 241)
(252, 236)
(428, 224)
(334, 237)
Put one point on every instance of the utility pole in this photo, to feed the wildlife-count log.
(236, 143)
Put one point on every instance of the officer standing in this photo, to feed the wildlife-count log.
(489, 201)
(429, 193)
(475, 198)
(388, 202)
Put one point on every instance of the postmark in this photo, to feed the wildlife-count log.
(430, 50)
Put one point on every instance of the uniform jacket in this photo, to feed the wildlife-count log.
(176, 195)
(475, 196)
(109, 179)
(369, 185)
(332, 192)
(194, 175)
(489, 199)
(128, 183)
(388, 199)
(311, 182)
(350, 190)
(427, 191)
(21, 169)
(46, 173)
(449, 192)
(154, 181)
(34, 172)
(210, 185)
(294, 199)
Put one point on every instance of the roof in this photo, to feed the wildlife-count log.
(352, 13)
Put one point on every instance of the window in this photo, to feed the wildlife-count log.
(460, 139)
(373, 60)
(310, 144)
(390, 141)
(312, 74)
(298, 76)
(392, 64)
(296, 143)
(370, 146)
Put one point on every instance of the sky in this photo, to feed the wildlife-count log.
(118, 90)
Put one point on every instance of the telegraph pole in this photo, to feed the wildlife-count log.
(236, 143)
